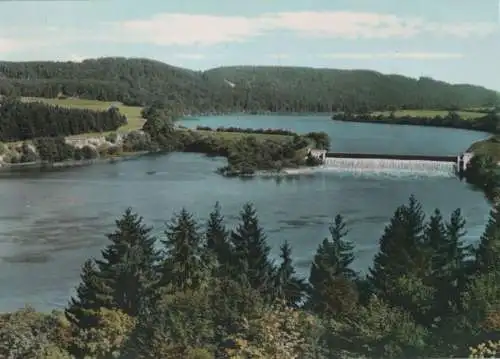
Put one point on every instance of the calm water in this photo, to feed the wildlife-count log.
(51, 222)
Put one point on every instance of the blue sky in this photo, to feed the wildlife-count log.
(456, 41)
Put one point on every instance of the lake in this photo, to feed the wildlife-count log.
(51, 222)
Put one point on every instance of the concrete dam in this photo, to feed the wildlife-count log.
(370, 162)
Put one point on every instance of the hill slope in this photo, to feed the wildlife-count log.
(142, 81)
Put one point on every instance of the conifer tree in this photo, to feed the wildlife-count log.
(183, 267)
(488, 251)
(91, 295)
(436, 245)
(451, 268)
(124, 277)
(128, 263)
(217, 237)
(250, 256)
(400, 249)
(289, 287)
(331, 277)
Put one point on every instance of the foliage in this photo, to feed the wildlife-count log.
(378, 330)
(106, 338)
(29, 334)
(482, 173)
(280, 332)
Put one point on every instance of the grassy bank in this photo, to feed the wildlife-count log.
(133, 113)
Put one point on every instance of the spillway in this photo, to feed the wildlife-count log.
(389, 165)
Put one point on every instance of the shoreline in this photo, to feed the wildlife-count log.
(27, 166)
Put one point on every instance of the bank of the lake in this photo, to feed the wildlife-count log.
(39, 165)
(56, 219)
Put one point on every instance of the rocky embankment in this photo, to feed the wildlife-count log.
(110, 147)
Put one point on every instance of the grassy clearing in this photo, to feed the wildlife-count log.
(135, 120)
(233, 136)
(430, 113)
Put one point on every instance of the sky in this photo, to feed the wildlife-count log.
(455, 41)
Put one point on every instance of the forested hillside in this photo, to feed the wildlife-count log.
(282, 89)
(289, 88)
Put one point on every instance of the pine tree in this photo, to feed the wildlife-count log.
(289, 287)
(488, 252)
(400, 249)
(456, 268)
(217, 237)
(459, 252)
(128, 263)
(183, 266)
(331, 278)
(435, 242)
(124, 277)
(91, 295)
(250, 256)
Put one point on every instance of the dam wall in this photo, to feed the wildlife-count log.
(391, 157)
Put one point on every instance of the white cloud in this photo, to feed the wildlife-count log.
(394, 55)
(206, 30)
(190, 56)
(345, 24)
(187, 29)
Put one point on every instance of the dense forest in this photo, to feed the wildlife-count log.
(21, 121)
(203, 290)
(229, 89)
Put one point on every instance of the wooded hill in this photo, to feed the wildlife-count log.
(248, 88)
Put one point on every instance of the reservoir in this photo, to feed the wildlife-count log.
(50, 223)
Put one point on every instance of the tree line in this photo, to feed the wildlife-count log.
(140, 82)
(487, 123)
(267, 131)
(204, 290)
(21, 121)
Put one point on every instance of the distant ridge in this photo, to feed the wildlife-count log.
(136, 81)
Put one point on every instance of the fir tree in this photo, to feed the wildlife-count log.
(125, 275)
(456, 268)
(128, 264)
(183, 266)
(436, 245)
(330, 269)
(217, 237)
(488, 251)
(400, 248)
(289, 287)
(91, 295)
(250, 256)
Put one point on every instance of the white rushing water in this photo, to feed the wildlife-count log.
(390, 165)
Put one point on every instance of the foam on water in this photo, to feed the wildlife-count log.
(390, 166)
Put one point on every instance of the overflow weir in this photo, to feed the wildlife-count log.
(361, 162)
